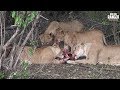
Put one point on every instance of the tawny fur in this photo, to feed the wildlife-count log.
(94, 36)
(43, 55)
(81, 49)
(67, 26)
(46, 39)
(109, 55)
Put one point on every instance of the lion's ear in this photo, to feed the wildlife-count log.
(51, 34)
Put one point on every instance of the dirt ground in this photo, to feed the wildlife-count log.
(68, 71)
(79, 71)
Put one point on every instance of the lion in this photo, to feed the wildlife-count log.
(94, 36)
(43, 55)
(46, 39)
(69, 38)
(73, 25)
(80, 50)
(109, 55)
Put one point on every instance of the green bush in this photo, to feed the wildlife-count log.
(22, 74)
(2, 75)
(23, 18)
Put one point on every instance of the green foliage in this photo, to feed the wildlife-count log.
(2, 75)
(30, 51)
(105, 22)
(23, 18)
(33, 42)
(20, 75)
(13, 14)
(23, 74)
(24, 65)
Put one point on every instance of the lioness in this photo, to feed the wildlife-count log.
(109, 55)
(47, 39)
(96, 37)
(66, 26)
(41, 55)
(81, 49)
(48, 36)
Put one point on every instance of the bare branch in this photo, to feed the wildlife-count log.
(21, 36)
(23, 44)
(4, 28)
(11, 39)
(44, 17)
(11, 57)
(1, 27)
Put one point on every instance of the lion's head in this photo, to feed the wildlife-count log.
(81, 49)
(46, 39)
(59, 35)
